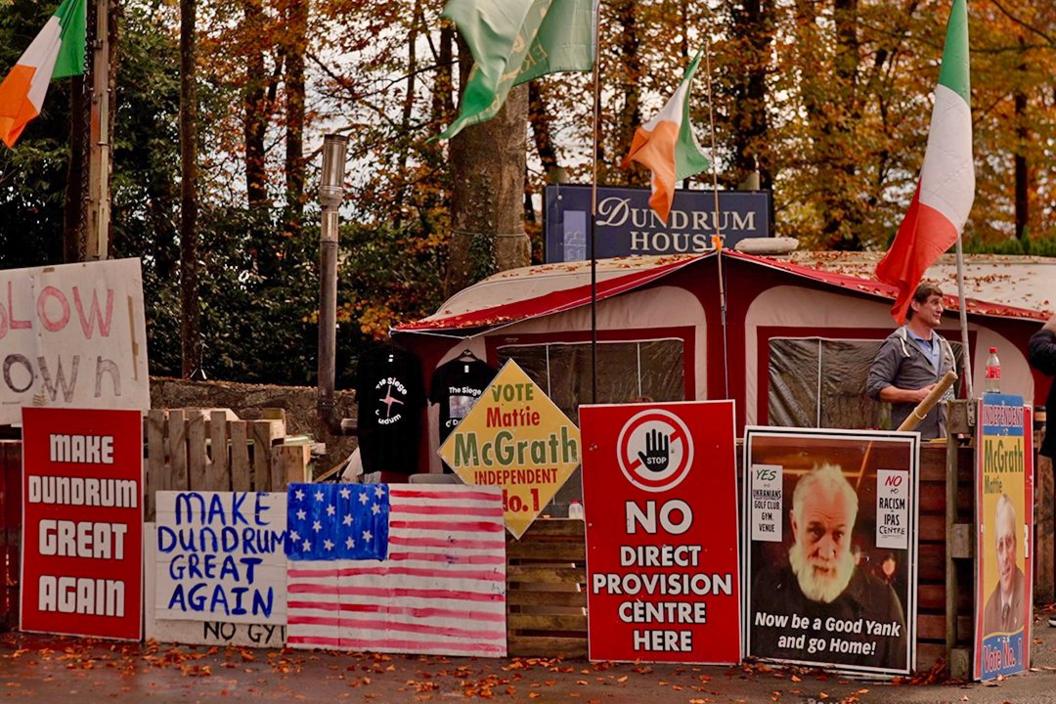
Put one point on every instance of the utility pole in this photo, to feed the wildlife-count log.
(98, 245)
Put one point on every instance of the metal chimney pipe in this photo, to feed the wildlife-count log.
(331, 193)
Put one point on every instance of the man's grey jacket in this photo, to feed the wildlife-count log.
(901, 363)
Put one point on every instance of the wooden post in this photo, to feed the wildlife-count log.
(178, 481)
(1044, 557)
(99, 139)
(951, 521)
(241, 480)
(156, 465)
(217, 476)
(960, 538)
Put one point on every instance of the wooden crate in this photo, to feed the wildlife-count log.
(546, 590)
(214, 450)
(931, 554)
(10, 530)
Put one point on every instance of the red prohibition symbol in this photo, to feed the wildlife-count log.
(655, 450)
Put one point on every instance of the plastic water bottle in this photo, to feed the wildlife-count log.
(575, 510)
(993, 373)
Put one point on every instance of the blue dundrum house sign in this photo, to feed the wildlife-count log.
(626, 225)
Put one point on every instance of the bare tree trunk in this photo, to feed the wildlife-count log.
(539, 117)
(753, 24)
(255, 107)
(190, 343)
(408, 107)
(297, 26)
(1020, 165)
(487, 166)
(443, 104)
(631, 70)
(117, 16)
(75, 209)
(843, 213)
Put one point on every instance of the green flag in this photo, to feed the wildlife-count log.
(514, 41)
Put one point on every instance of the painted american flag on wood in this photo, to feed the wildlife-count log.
(396, 568)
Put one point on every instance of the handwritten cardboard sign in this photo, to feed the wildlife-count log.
(74, 336)
(220, 556)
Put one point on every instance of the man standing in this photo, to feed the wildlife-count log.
(1043, 358)
(822, 587)
(1004, 608)
(911, 361)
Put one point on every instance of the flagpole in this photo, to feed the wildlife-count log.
(594, 214)
(98, 245)
(717, 237)
(964, 320)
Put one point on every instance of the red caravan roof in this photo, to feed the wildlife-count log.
(881, 290)
(536, 291)
(533, 292)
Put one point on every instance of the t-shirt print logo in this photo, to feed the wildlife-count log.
(391, 411)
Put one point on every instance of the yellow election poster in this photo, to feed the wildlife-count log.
(517, 438)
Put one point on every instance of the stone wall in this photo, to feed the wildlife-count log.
(247, 400)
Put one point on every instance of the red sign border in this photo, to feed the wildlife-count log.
(142, 488)
(738, 574)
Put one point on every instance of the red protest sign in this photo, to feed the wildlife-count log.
(660, 501)
(82, 529)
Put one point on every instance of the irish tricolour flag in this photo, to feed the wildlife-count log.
(57, 52)
(667, 146)
(947, 179)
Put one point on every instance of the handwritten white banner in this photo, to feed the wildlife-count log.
(73, 335)
(220, 556)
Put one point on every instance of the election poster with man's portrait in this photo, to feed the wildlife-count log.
(1004, 501)
(830, 526)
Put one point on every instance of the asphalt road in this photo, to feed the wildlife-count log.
(35, 668)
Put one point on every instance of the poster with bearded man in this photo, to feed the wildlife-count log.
(830, 521)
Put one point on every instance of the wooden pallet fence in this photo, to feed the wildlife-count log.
(546, 597)
(214, 450)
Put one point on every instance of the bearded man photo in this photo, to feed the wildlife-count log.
(857, 616)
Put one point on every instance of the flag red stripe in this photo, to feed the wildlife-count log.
(484, 526)
(449, 559)
(403, 571)
(372, 645)
(427, 494)
(399, 610)
(923, 236)
(419, 647)
(393, 592)
(456, 543)
(436, 510)
(383, 625)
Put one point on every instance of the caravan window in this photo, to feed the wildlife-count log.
(815, 382)
(626, 370)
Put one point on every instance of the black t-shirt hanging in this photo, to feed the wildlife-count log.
(455, 387)
(390, 396)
